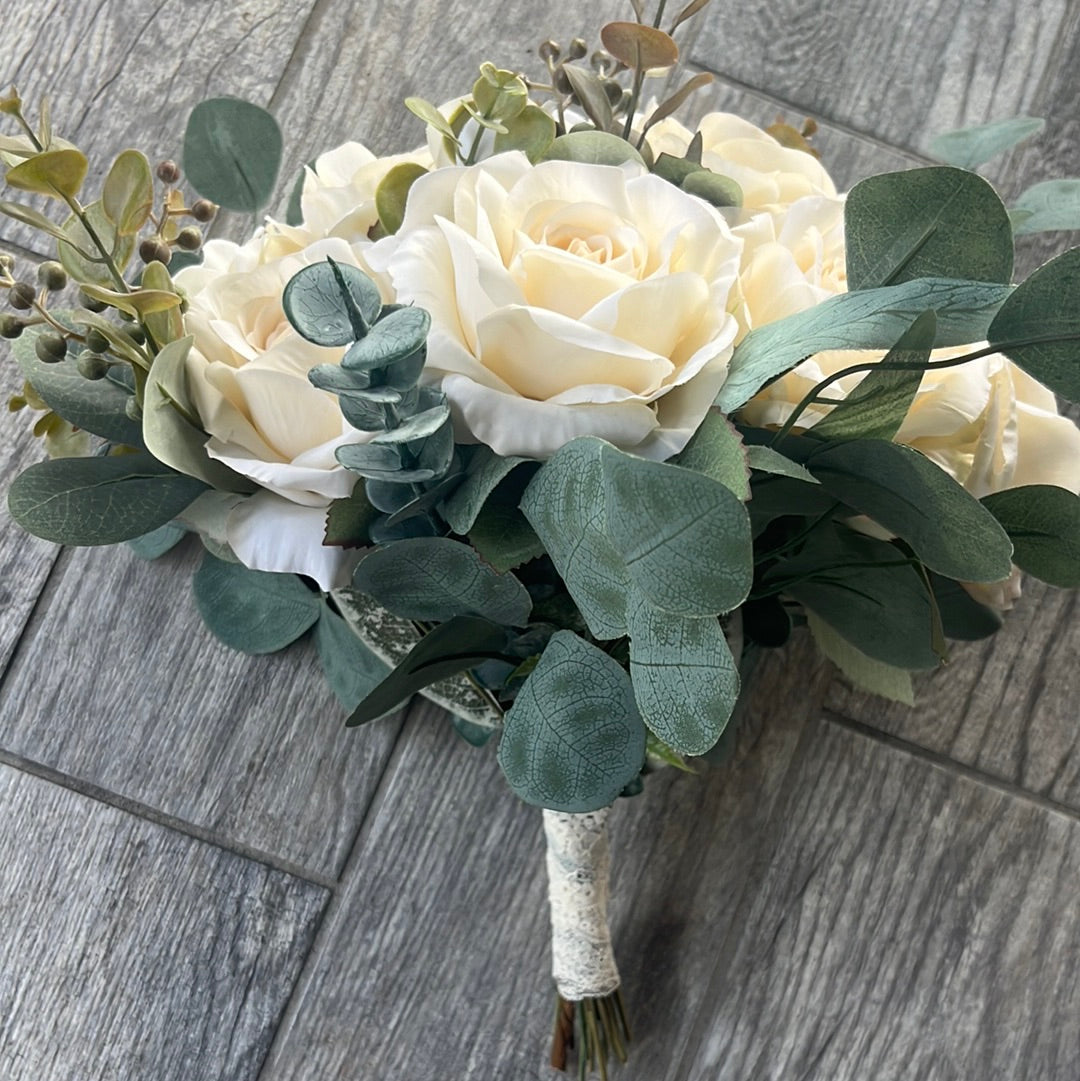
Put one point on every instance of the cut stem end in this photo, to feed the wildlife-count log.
(594, 1028)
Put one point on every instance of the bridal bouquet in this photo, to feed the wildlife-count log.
(559, 417)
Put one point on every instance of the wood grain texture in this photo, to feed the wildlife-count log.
(119, 684)
(433, 962)
(912, 925)
(131, 951)
(900, 72)
(1006, 706)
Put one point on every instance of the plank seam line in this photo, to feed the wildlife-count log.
(160, 818)
(789, 106)
(21, 638)
(950, 765)
(325, 928)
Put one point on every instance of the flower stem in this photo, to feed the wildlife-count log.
(595, 1029)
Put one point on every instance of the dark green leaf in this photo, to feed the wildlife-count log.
(485, 471)
(968, 148)
(476, 735)
(877, 677)
(1038, 327)
(232, 153)
(876, 408)
(501, 533)
(368, 458)
(349, 520)
(1043, 522)
(532, 132)
(87, 501)
(923, 223)
(592, 147)
(331, 303)
(717, 190)
(912, 497)
(766, 460)
(433, 578)
(351, 669)
(962, 616)
(573, 739)
(157, 542)
(867, 319)
(253, 611)
(774, 496)
(455, 646)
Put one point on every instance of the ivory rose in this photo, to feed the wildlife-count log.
(771, 176)
(247, 375)
(567, 299)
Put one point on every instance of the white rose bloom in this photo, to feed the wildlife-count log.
(771, 176)
(567, 300)
(247, 375)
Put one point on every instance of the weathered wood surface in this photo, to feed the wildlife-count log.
(131, 951)
(444, 917)
(911, 925)
(431, 958)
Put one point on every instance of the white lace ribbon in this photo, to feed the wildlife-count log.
(579, 867)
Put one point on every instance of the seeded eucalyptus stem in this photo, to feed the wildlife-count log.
(812, 398)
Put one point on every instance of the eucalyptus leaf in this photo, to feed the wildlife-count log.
(876, 677)
(232, 153)
(253, 611)
(128, 195)
(590, 92)
(592, 148)
(418, 426)
(433, 578)
(1038, 327)
(485, 471)
(717, 190)
(58, 174)
(532, 132)
(140, 302)
(369, 458)
(716, 449)
(876, 408)
(448, 649)
(675, 170)
(29, 216)
(393, 192)
(676, 101)
(349, 520)
(968, 148)
(167, 325)
(865, 319)
(1043, 522)
(90, 501)
(685, 680)
(394, 337)
(501, 534)
(923, 223)
(157, 542)
(767, 460)
(350, 667)
(1053, 205)
(432, 117)
(73, 251)
(639, 46)
(573, 739)
(907, 494)
(330, 303)
(96, 406)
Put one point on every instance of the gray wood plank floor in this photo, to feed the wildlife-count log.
(203, 875)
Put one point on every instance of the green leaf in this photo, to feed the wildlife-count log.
(72, 253)
(128, 196)
(675, 170)
(864, 672)
(876, 408)
(86, 501)
(867, 319)
(331, 303)
(499, 94)
(532, 132)
(573, 739)
(767, 460)
(349, 520)
(685, 680)
(294, 208)
(589, 91)
(418, 426)
(453, 647)
(717, 190)
(962, 616)
(968, 148)
(393, 191)
(501, 534)
(58, 174)
(96, 406)
(684, 537)
(774, 496)
(253, 611)
(157, 542)
(1038, 327)
(432, 117)
(351, 669)
(922, 223)
(566, 504)
(476, 735)
(433, 578)
(917, 500)
(592, 147)
(140, 302)
(853, 583)
(716, 449)
(639, 46)
(232, 153)
(29, 216)
(671, 104)
(486, 470)
(168, 325)
(1053, 205)
(1043, 522)
(169, 426)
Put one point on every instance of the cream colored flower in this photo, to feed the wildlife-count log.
(771, 176)
(247, 375)
(567, 300)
